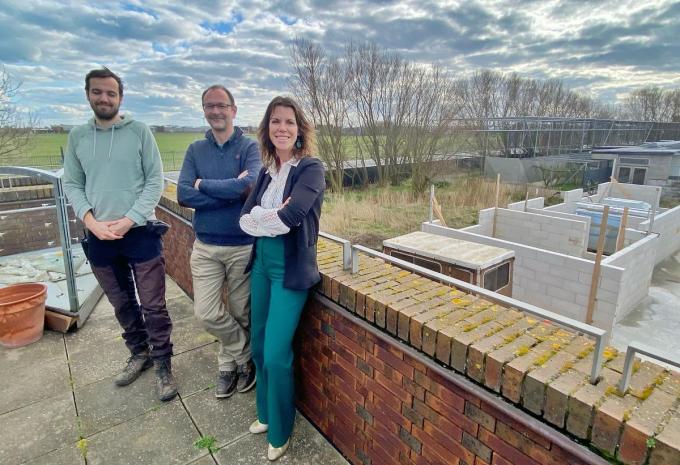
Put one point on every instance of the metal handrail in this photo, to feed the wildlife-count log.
(346, 249)
(598, 334)
(640, 348)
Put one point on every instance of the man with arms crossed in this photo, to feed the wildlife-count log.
(113, 177)
(216, 176)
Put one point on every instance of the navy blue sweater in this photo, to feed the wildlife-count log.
(218, 201)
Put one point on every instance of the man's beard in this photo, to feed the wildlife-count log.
(105, 113)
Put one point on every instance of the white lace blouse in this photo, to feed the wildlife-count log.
(263, 220)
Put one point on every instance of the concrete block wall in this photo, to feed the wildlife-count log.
(638, 261)
(568, 236)
(647, 194)
(667, 225)
(563, 215)
(562, 207)
(554, 281)
(537, 202)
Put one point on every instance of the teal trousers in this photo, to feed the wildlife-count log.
(275, 313)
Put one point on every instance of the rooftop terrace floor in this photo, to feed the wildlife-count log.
(60, 389)
(656, 319)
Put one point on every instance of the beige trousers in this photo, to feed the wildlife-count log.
(212, 268)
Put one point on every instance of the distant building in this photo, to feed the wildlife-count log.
(651, 163)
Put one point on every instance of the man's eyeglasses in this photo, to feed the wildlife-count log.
(219, 106)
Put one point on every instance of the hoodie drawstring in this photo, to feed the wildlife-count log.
(113, 128)
(94, 148)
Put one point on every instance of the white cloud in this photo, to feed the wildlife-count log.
(168, 53)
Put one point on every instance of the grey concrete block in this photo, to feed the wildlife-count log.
(95, 361)
(307, 446)
(37, 429)
(188, 334)
(102, 404)
(196, 370)
(163, 436)
(33, 380)
(225, 419)
(68, 455)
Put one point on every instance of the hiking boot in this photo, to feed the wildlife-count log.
(136, 364)
(166, 387)
(246, 377)
(226, 384)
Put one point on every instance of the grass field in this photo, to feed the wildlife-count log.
(44, 150)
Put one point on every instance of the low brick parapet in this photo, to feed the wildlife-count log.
(364, 388)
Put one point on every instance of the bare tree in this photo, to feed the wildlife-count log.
(428, 122)
(380, 86)
(320, 83)
(653, 104)
(15, 129)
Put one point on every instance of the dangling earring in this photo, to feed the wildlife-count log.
(298, 142)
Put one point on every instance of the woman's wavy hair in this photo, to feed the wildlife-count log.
(305, 132)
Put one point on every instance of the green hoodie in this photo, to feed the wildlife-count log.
(113, 172)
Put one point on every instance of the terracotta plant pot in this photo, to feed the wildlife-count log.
(22, 314)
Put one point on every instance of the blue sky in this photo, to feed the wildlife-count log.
(168, 52)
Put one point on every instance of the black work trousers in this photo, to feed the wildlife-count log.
(120, 266)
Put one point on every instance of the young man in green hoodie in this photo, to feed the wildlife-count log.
(113, 178)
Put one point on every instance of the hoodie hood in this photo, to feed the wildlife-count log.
(120, 124)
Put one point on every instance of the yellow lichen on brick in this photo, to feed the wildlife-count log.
(584, 353)
(469, 327)
(610, 353)
(566, 367)
(522, 350)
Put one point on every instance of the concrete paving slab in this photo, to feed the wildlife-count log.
(102, 404)
(180, 307)
(172, 290)
(102, 310)
(207, 460)
(37, 429)
(69, 455)
(163, 436)
(93, 333)
(97, 360)
(33, 380)
(196, 370)
(225, 419)
(188, 334)
(49, 347)
(307, 447)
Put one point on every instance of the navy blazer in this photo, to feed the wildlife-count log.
(305, 186)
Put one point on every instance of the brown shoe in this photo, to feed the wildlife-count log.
(166, 387)
(136, 364)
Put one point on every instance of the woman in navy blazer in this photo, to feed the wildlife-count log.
(282, 212)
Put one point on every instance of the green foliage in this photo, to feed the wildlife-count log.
(651, 443)
(206, 442)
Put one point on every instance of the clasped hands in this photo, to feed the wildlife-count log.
(108, 230)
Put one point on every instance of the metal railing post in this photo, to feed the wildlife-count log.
(640, 348)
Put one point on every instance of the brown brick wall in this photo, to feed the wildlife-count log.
(363, 384)
(24, 231)
(177, 245)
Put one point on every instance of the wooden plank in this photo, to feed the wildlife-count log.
(58, 322)
(598, 264)
(495, 211)
(622, 230)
